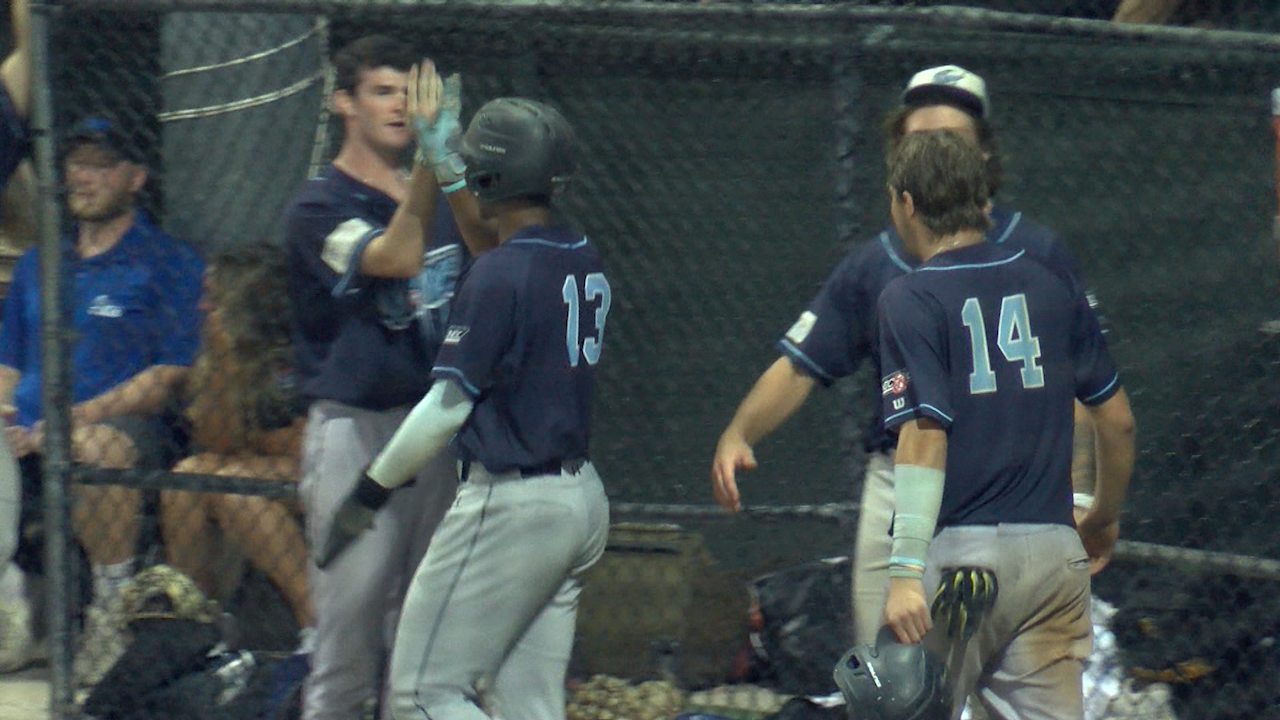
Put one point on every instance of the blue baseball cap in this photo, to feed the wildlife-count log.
(105, 134)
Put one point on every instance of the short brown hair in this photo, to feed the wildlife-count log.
(895, 128)
(946, 177)
(369, 53)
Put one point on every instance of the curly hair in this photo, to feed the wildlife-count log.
(240, 383)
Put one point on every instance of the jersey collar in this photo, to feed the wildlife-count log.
(546, 234)
(1003, 223)
(143, 227)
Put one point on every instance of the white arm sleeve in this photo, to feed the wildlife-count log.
(422, 435)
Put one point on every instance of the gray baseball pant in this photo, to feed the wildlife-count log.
(872, 547)
(10, 502)
(491, 615)
(1027, 658)
(358, 597)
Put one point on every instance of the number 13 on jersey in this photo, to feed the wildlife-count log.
(595, 288)
(1014, 338)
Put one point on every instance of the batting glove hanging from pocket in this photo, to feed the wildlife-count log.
(965, 596)
(354, 516)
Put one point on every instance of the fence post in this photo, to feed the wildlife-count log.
(56, 398)
(850, 172)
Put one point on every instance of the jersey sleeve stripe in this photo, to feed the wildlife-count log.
(812, 367)
(1104, 392)
(353, 262)
(921, 409)
(458, 375)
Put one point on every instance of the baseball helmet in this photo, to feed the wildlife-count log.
(517, 148)
(891, 681)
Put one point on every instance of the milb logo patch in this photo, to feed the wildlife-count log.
(455, 334)
(895, 384)
(800, 330)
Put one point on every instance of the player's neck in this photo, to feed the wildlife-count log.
(514, 220)
(955, 241)
(371, 167)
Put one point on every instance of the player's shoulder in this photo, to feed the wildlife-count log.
(873, 260)
(1014, 228)
(328, 192)
(908, 288)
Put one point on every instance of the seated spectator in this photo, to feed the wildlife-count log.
(132, 293)
(246, 421)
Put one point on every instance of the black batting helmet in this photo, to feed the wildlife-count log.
(891, 681)
(517, 148)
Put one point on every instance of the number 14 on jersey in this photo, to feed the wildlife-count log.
(1014, 338)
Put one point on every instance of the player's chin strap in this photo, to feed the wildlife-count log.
(423, 435)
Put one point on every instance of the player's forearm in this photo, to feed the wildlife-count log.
(918, 480)
(776, 396)
(422, 436)
(1116, 433)
(1084, 463)
(146, 393)
(479, 234)
(397, 252)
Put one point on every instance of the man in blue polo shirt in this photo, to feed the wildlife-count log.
(132, 300)
(15, 142)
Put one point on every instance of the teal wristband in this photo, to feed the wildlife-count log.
(454, 187)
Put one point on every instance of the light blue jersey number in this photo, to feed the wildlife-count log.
(1014, 340)
(595, 287)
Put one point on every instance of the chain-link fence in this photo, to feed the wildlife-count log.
(731, 154)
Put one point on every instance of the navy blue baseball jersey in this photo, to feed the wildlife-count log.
(364, 341)
(15, 139)
(839, 330)
(526, 332)
(994, 346)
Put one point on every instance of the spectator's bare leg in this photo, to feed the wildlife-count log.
(186, 524)
(267, 533)
(106, 519)
(106, 516)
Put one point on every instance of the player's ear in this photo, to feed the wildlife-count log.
(137, 178)
(342, 103)
(908, 204)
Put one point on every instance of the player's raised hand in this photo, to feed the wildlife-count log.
(732, 454)
(435, 105)
(905, 610)
(425, 88)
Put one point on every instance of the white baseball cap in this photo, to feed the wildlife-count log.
(948, 85)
